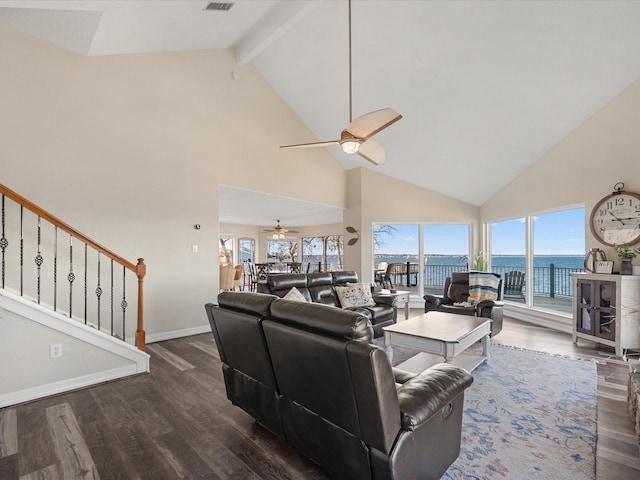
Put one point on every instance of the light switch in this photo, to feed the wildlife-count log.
(194, 248)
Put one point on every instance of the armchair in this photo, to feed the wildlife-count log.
(454, 298)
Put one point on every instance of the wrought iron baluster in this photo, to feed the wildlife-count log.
(21, 250)
(55, 269)
(98, 291)
(85, 284)
(39, 260)
(3, 241)
(71, 276)
(111, 298)
(123, 304)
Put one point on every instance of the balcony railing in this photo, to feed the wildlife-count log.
(548, 280)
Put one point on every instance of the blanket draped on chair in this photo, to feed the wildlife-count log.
(483, 286)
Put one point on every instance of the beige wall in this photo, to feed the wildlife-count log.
(581, 169)
(130, 150)
(375, 198)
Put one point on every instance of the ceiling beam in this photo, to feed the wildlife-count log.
(278, 22)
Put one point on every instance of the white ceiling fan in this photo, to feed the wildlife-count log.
(356, 138)
(279, 231)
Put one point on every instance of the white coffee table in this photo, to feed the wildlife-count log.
(440, 337)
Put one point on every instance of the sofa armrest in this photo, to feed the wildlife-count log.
(383, 299)
(402, 376)
(432, 302)
(428, 392)
(485, 308)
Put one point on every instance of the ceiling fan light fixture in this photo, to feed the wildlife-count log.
(350, 146)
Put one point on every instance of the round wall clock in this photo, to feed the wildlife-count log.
(615, 220)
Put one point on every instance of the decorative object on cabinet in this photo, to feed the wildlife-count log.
(626, 254)
(594, 256)
(605, 310)
(615, 220)
(604, 267)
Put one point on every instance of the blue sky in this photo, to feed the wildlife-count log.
(557, 233)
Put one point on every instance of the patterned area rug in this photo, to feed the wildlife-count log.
(527, 415)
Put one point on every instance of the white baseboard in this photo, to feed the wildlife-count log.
(187, 332)
(542, 318)
(33, 393)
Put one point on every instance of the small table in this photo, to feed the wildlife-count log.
(441, 337)
(401, 295)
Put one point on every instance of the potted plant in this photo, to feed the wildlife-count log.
(479, 261)
(626, 254)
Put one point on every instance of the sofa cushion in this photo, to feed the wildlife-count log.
(295, 296)
(282, 283)
(320, 285)
(355, 295)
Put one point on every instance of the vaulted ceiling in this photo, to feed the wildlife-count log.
(485, 87)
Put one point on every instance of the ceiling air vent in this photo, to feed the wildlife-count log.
(218, 6)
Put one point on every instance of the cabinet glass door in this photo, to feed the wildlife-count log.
(606, 324)
(585, 318)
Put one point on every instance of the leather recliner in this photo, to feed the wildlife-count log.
(249, 379)
(338, 400)
(456, 291)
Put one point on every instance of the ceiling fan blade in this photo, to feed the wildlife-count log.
(371, 123)
(372, 151)
(314, 144)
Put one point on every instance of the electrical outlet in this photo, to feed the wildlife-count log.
(55, 350)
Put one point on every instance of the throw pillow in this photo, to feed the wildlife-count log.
(483, 286)
(294, 295)
(355, 295)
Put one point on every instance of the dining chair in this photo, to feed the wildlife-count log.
(295, 267)
(226, 275)
(237, 277)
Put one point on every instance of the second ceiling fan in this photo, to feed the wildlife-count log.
(356, 138)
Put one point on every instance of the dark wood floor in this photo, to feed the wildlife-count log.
(176, 422)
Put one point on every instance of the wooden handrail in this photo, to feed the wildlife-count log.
(16, 197)
(140, 269)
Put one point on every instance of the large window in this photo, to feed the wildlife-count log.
(509, 255)
(397, 246)
(446, 250)
(536, 262)
(558, 250)
(282, 251)
(420, 256)
(323, 253)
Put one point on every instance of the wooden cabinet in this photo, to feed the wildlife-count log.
(606, 309)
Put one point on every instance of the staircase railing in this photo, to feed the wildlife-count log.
(39, 234)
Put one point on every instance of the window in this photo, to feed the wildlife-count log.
(225, 251)
(323, 253)
(509, 254)
(557, 248)
(446, 250)
(246, 250)
(282, 251)
(398, 245)
(335, 253)
(312, 253)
